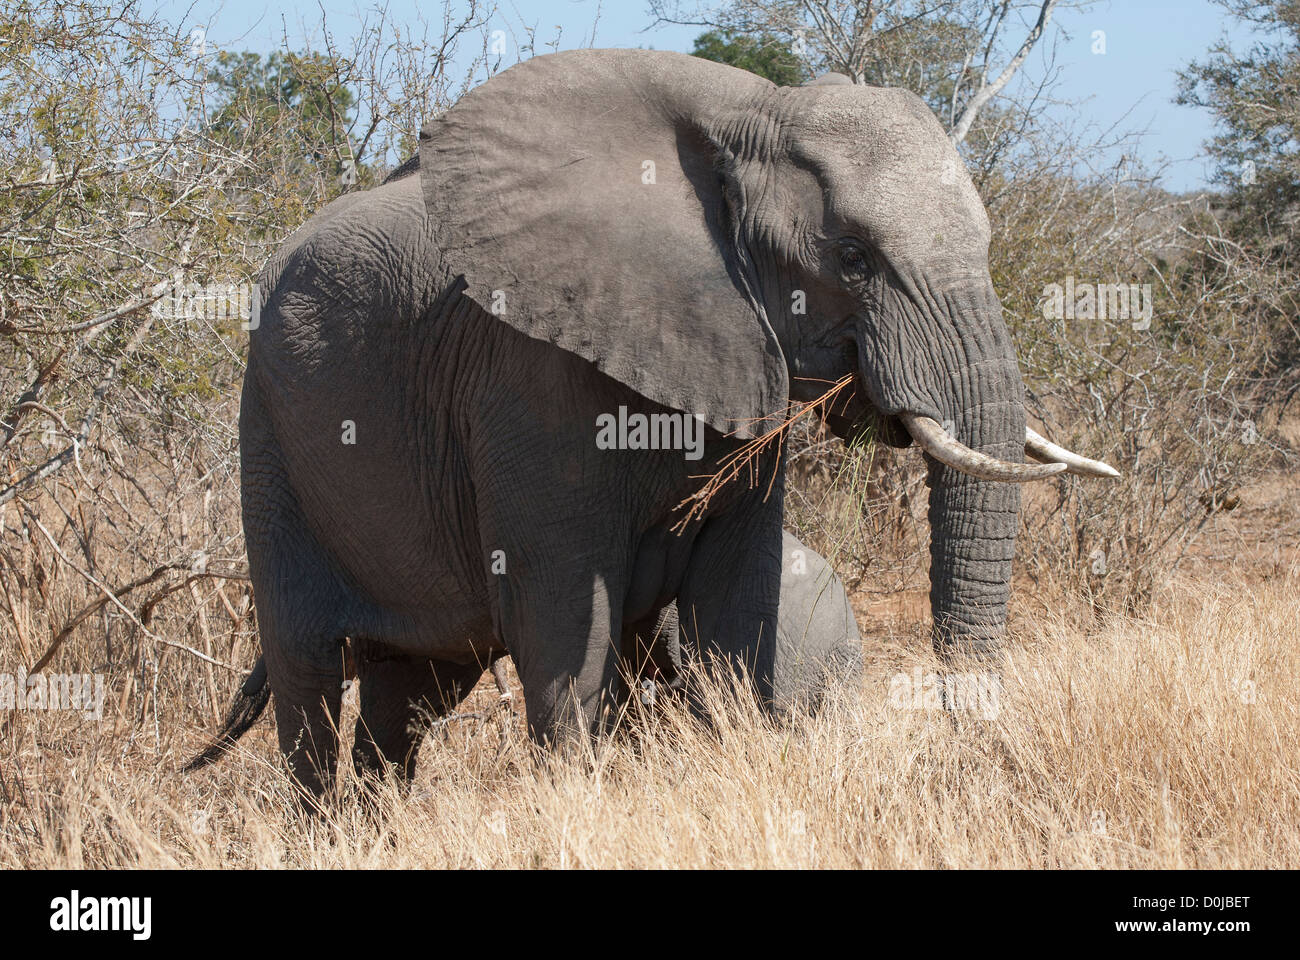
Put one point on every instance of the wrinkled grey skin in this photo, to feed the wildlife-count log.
(643, 227)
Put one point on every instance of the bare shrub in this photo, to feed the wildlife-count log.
(147, 177)
(1172, 391)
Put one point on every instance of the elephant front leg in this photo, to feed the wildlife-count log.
(566, 653)
(652, 655)
(565, 708)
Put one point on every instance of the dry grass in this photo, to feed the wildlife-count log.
(1167, 741)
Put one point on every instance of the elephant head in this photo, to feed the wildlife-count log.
(722, 245)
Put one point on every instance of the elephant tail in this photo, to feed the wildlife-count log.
(248, 705)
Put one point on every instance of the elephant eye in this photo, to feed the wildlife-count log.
(853, 262)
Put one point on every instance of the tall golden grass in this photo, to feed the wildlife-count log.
(1167, 740)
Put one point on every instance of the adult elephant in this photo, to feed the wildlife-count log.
(596, 236)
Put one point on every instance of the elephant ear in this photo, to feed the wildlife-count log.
(582, 197)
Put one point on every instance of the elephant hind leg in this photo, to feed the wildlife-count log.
(396, 695)
(307, 699)
(301, 605)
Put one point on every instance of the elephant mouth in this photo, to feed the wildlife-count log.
(867, 426)
(857, 418)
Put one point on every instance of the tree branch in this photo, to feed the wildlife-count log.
(987, 93)
(112, 598)
(57, 462)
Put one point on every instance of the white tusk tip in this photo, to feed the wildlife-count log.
(1043, 450)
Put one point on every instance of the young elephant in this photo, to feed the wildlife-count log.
(817, 641)
(817, 646)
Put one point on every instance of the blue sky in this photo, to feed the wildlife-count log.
(1129, 88)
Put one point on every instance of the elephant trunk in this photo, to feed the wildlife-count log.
(974, 513)
(972, 541)
(938, 362)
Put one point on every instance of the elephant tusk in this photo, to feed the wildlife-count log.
(1044, 451)
(957, 455)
